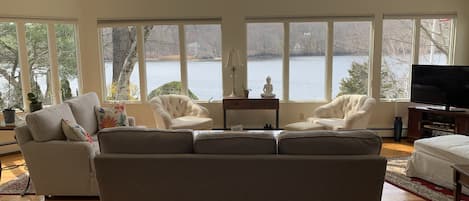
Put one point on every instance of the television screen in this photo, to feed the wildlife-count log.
(440, 85)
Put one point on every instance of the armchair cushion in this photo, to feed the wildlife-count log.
(192, 122)
(83, 110)
(46, 124)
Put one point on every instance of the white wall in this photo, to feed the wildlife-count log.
(234, 35)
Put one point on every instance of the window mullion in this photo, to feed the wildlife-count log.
(286, 61)
(183, 59)
(24, 63)
(329, 59)
(141, 63)
(452, 41)
(416, 42)
(54, 66)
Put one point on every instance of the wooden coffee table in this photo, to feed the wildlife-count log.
(461, 178)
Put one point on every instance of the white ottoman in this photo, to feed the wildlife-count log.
(432, 158)
(304, 126)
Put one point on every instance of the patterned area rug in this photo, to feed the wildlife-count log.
(395, 174)
(17, 186)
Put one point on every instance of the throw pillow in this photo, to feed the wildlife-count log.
(111, 116)
(74, 132)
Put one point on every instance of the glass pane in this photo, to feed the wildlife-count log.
(308, 60)
(67, 60)
(120, 63)
(435, 41)
(203, 49)
(10, 83)
(38, 57)
(162, 60)
(351, 58)
(397, 58)
(265, 50)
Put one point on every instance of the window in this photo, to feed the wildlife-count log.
(435, 41)
(67, 60)
(39, 64)
(162, 59)
(351, 57)
(51, 50)
(121, 63)
(306, 61)
(203, 49)
(265, 52)
(10, 82)
(396, 57)
(178, 59)
(400, 50)
(308, 42)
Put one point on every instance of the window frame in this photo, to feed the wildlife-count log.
(416, 19)
(329, 50)
(50, 23)
(139, 24)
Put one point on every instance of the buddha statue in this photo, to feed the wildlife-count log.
(268, 88)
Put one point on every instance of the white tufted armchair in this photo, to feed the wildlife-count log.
(179, 112)
(345, 112)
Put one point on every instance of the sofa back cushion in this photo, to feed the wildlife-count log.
(234, 143)
(83, 110)
(46, 124)
(357, 142)
(136, 140)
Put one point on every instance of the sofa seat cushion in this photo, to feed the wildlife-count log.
(83, 110)
(234, 143)
(333, 123)
(46, 124)
(358, 142)
(452, 148)
(137, 140)
(192, 122)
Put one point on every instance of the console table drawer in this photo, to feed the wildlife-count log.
(250, 104)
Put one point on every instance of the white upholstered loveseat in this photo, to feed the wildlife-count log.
(57, 166)
(179, 112)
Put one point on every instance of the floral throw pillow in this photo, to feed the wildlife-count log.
(113, 116)
(74, 132)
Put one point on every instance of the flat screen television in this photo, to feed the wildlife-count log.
(444, 85)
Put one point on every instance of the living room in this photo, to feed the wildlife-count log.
(233, 19)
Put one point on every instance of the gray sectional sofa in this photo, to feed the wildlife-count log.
(148, 164)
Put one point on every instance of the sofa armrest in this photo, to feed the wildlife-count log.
(23, 135)
(53, 153)
(54, 164)
(358, 120)
(324, 111)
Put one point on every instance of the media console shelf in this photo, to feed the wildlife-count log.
(424, 122)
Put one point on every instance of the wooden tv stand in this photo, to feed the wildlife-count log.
(424, 122)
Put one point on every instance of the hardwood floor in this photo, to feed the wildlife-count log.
(390, 149)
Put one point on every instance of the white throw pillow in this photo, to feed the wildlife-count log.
(74, 132)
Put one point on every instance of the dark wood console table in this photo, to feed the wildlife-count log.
(250, 104)
(424, 122)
